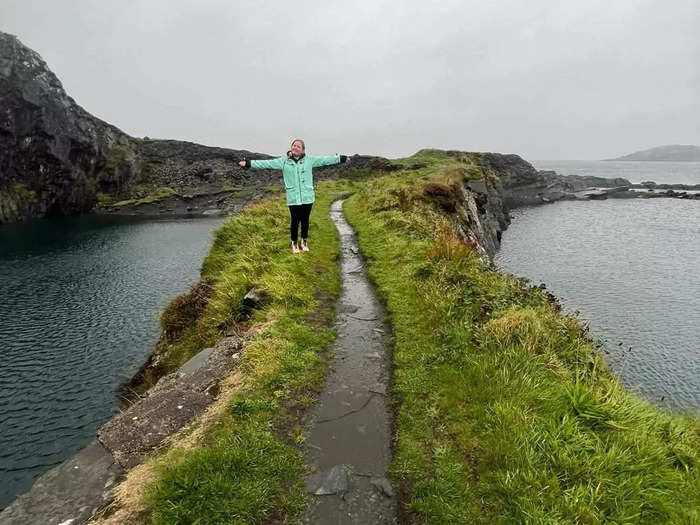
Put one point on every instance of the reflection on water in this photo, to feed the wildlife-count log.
(79, 306)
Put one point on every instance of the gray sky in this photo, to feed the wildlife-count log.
(543, 79)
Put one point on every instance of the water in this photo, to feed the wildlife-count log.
(631, 268)
(634, 171)
(80, 301)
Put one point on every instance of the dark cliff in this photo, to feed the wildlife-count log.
(58, 159)
(53, 153)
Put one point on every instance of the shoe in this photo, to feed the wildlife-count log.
(304, 246)
(295, 248)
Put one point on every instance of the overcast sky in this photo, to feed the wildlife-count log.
(543, 79)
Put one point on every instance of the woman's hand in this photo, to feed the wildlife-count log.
(243, 163)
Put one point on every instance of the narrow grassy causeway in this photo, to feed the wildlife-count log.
(504, 410)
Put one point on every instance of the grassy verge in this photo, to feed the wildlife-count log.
(249, 468)
(156, 196)
(505, 411)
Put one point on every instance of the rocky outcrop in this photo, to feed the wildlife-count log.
(52, 152)
(490, 185)
(495, 184)
(58, 159)
(520, 184)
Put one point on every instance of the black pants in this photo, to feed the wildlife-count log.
(300, 213)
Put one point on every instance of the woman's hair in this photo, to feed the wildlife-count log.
(303, 146)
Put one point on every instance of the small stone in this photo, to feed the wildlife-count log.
(477, 186)
(254, 299)
(379, 388)
(333, 481)
(348, 308)
(179, 407)
(384, 486)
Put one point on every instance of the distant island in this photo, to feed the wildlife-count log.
(675, 152)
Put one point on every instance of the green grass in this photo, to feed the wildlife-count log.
(504, 409)
(117, 155)
(158, 195)
(249, 469)
(104, 199)
(23, 192)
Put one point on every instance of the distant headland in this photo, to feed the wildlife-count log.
(674, 152)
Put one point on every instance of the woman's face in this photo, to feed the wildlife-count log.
(297, 148)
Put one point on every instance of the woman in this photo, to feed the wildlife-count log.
(298, 183)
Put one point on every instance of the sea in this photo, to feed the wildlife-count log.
(627, 268)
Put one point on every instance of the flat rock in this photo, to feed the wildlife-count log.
(477, 186)
(69, 493)
(176, 400)
(148, 423)
(196, 362)
(332, 481)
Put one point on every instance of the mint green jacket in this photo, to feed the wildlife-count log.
(297, 174)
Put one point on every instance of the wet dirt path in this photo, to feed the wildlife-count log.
(349, 442)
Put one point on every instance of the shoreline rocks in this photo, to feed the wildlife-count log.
(78, 488)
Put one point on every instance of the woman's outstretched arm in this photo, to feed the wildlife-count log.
(271, 164)
(328, 161)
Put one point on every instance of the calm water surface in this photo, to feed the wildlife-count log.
(80, 301)
(632, 269)
(634, 171)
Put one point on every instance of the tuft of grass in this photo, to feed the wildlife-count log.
(23, 192)
(504, 409)
(446, 244)
(104, 199)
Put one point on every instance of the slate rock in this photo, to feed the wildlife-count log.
(332, 481)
